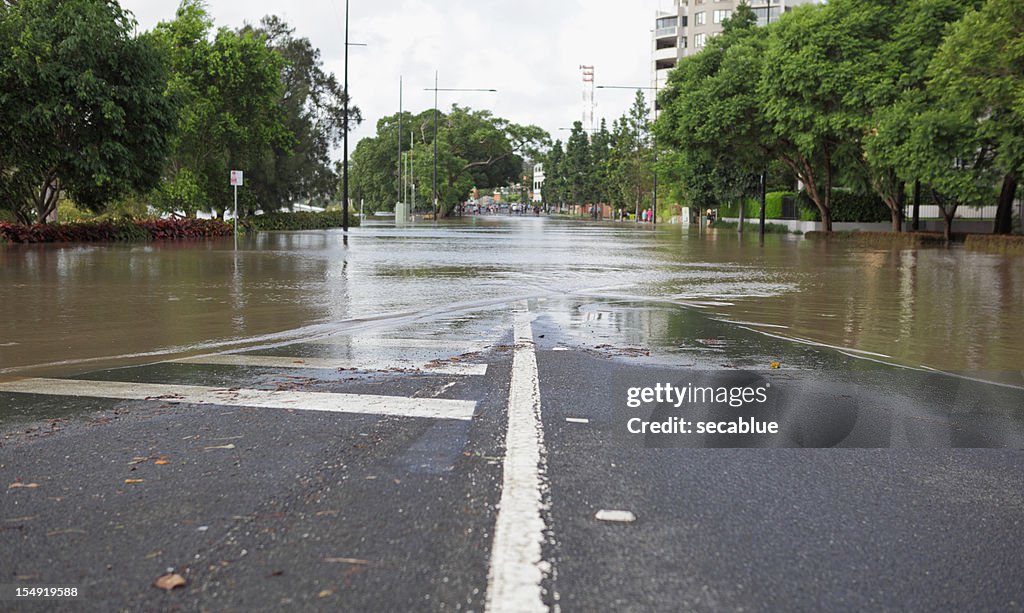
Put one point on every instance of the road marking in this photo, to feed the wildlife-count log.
(409, 343)
(434, 408)
(517, 569)
(624, 517)
(577, 420)
(269, 361)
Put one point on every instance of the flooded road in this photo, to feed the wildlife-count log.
(69, 309)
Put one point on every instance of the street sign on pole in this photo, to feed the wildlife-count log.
(236, 180)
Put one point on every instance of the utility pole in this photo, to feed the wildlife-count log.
(344, 180)
(400, 176)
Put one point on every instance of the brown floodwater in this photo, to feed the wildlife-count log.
(68, 309)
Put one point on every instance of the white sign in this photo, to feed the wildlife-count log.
(236, 178)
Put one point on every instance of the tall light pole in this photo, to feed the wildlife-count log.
(654, 107)
(435, 89)
(344, 172)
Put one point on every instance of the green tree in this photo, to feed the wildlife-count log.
(474, 148)
(313, 105)
(600, 165)
(374, 170)
(886, 87)
(631, 167)
(813, 61)
(979, 70)
(229, 84)
(576, 167)
(81, 106)
(712, 118)
(555, 190)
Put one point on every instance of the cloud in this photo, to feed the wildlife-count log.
(529, 50)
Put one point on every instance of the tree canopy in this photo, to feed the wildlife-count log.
(474, 149)
(82, 111)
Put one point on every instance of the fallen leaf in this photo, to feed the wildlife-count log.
(30, 486)
(162, 462)
(169, 582)
(324, 593)
(228, 446)
(138, 461)
(776, 365)
(133, 481)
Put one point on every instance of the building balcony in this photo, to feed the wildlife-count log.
(666, 32)
(669, 53)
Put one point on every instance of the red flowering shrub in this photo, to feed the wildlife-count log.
(109, 231)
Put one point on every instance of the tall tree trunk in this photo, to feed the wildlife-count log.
(947, 216)
(1004, 213)
(47, 199)
(896, 208)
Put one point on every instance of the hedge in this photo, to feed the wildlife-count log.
(285, 222)
(772, 206)
(112, 231)
(847, 207)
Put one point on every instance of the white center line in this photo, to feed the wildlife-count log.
(517, 569)
(434, 408)
(269, 361)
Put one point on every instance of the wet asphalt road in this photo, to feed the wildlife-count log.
(264, 509)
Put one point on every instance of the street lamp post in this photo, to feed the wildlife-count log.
(436, 89)
(654, 143)
(344, 180)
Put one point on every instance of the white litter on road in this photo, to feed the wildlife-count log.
(577, 420)
(625, 517)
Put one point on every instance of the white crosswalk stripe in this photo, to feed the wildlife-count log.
(435, 408)
(440, 367)
(404, 343)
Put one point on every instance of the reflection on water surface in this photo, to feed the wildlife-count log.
(943, 308)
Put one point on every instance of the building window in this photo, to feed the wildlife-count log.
(666, 22)
(682, 42)
(699, 40)
(767, 15)
(722, 15)
(684, 21)
(700, 18)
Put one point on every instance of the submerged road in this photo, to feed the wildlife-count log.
(486, 462)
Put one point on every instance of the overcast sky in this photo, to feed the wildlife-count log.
(529, 50)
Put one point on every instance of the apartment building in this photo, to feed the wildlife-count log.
(688, 26)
